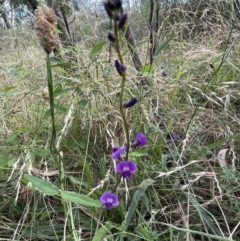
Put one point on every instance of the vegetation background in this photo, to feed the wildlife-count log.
(186, 78)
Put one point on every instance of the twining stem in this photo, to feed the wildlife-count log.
(125, 125)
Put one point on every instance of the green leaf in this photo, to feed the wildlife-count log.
(41, 153)
(11, 162)
(56, 30)
(100, 234)
(77, 181)
(137, 154)
(83, 104)
(135, 200)
(61, 109)
(11, 138)
(57, 88)
(55, 59)
(42, 185)
(161, 47)
(3, 161)
(64, 80)
(97, 49)
(147, 70)
(8, 88)
(47, 114)
(62, 70)
(80, 199)
(60, 92)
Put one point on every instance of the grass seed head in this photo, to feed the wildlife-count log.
(45, 22)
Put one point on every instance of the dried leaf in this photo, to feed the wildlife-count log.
(45, 174)
(221, 156)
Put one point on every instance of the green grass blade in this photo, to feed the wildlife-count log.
(135, 200)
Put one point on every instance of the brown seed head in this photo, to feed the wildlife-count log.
(45, 21)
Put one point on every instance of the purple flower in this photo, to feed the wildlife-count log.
(127, 168)
(176, 137)
(130, 103)
(109, 200)
(137, 85)
(164, 73)
(140, 140)
(121, 68)
(117, 152)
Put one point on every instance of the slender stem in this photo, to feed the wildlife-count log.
(125, 125)
(51, 102)
(54, 151)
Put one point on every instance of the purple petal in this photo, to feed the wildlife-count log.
(115, 201)
(176, 137)
(108, 205)
(127, 175)
(118, 152)
(104, 197)
(141, 139)
(109, 200)
(120, 166)
(114, 149)
(126, 168)
(132, 166)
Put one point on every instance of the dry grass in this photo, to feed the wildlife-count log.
(199, 100)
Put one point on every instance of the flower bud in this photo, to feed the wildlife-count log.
(108, 10)
(140, 140)
(118, 4)
(121, 68)
(111, 5)
(111, 37)
(164, 73)
(122, 20)
(130, 103)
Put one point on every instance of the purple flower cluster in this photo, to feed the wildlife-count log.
(113, 8)
(125, 167)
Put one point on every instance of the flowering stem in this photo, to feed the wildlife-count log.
(125, 125)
